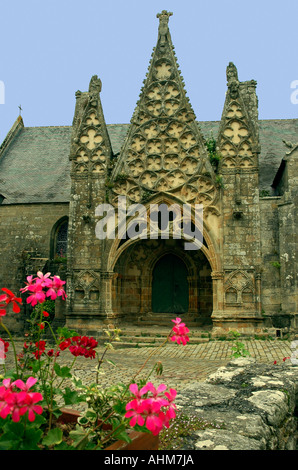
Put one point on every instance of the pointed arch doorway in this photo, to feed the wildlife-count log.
(170, 290)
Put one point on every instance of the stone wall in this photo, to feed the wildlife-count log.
(271, 301)
(254, 404)
(25, 228)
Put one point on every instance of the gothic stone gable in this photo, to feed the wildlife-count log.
(238, 140)
(164, 150)
(90, 157)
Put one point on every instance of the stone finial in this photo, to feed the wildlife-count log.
(232, 79)
(163, 24)
(95, 85)
(232, 73)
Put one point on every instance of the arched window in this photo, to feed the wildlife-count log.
(59, 239)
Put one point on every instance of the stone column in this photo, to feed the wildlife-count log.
(106, 308)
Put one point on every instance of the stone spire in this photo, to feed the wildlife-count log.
(238, 139)
(164, 150)
(90, 144)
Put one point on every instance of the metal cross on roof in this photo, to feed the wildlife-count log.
(20, 108)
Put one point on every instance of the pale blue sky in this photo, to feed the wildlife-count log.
(49, 50)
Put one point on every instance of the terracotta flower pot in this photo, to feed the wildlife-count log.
(139, 440)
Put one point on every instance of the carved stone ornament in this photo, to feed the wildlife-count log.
(164, 150)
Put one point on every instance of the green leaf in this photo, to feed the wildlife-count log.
(79, 437)
(123, 436)
(63, 372)
(71, 397)
(37, 365)
(54, 437)
(64, 332)
(111, 362)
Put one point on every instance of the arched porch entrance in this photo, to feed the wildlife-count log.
(159, 277)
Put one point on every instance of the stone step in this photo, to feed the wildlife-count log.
(150, 336)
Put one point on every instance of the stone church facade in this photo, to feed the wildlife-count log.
(241, 170)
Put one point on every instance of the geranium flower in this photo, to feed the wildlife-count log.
(41, 345)
(25, 387)
(38, 295)
(137, 393)
(154, 421)
(6, 346)
(65, 344)
(30, 280)
(178, 322)
(180, 334)
(4, 407)
(55, 288)
(83, 346)
(43, 278)
(157, 401)
(2, 310)
(154, 411)
(10, 297)
(171, 395)
(30, 401)
(15, 402)
(135, 413)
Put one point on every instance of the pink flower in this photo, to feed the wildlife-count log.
(17, 403)
(55, 288)
(171, 405)
(154, 421)
(38, 295)
(155, 410)
(135, 413)
(29, 283)
(180, 334)
(4, 408)
(138, 393)
(43, 278)
(157, 401)
(178, 321)
(25, 386)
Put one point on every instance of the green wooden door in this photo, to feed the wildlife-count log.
(170, 286)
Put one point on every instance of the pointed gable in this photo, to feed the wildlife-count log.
(238, 139)
(164, 150)
(90, 145)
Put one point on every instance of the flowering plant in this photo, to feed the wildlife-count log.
(32, 394)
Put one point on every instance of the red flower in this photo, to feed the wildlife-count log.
(51, 353)
(45, 314)
(41, 345)
(10, 297)
(65, 344)
(6, 345)
(83, 346)
(2, 310)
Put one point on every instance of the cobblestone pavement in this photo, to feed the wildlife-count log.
(181, 364)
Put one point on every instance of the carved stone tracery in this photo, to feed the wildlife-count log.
(164, 150)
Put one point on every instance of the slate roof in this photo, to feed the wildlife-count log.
(35, 167)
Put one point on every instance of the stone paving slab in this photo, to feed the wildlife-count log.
(181, 364)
